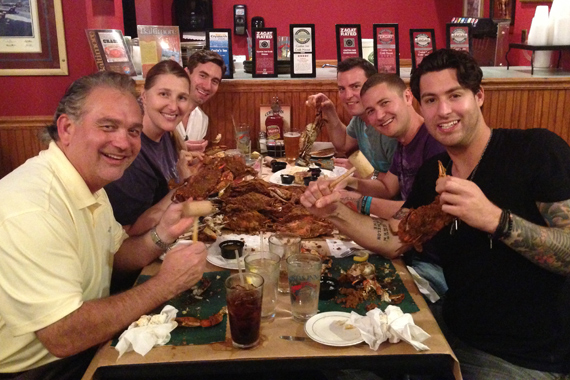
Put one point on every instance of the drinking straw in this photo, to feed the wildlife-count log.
(261, 241)
(240, 268)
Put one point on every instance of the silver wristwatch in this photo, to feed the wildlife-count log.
(159, 243)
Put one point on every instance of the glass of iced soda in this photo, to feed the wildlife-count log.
(244, 296)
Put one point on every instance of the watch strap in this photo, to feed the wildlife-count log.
(159, 243)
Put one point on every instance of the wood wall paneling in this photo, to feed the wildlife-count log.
(509, 103)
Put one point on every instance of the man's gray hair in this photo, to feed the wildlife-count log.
(73, 102)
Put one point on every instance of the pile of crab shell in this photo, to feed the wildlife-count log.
(249, 205)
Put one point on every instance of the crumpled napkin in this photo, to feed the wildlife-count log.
(424, 286)
(147, 332)
(393, 325)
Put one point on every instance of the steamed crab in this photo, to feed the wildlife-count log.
(309, 136)
(421, 224)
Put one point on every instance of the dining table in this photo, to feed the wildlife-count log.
(276, 354)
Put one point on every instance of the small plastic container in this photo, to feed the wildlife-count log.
(278, 165)
(329, 288)
(229, 247)
(315, 172)
(287, 179)
(309, 179)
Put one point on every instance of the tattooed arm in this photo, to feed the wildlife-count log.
(547, 247)
(371, 233)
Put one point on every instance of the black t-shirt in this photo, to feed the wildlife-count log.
(498, 301)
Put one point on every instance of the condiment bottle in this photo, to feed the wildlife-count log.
(274, 122)
(262, 143)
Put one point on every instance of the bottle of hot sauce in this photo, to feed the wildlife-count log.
(274, 122)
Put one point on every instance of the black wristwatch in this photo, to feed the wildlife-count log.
(159, 243)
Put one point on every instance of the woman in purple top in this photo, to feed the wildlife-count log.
(144, 186)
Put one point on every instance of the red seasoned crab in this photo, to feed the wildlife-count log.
(421, 224)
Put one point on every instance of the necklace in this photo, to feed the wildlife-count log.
(456, 222)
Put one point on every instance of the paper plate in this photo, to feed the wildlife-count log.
(276, 177)
(328, 329)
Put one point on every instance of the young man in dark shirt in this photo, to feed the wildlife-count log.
(507, 256)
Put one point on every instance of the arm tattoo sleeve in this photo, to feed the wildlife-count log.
(548, 247)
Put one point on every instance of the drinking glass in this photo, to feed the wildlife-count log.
(244, 297)
(266, 264)
(243, 139)
(304, 272)
(291, 146)
(284, 244)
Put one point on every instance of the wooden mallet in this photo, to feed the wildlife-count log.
(196, 209)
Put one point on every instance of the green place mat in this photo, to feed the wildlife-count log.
(213, 299)
(384, 268)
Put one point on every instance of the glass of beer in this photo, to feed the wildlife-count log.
(266, 264)
(243, 297)
(284, 244)
(304, 272)
(291, 146)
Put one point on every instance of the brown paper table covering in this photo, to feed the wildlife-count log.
(214, 298)
(274, 353)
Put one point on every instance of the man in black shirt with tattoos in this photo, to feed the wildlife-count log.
(506, 255)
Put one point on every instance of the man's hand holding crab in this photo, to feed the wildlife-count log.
(465, 200)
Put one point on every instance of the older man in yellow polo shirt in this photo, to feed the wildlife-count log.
(59, 241)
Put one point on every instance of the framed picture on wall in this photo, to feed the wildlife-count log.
(473, 8)
(32, 38)
(503, 10)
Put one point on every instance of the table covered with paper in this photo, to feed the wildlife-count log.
(428, 354)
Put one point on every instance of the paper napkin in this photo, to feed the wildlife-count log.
(424, 286)
(393, 325)
(147, 332)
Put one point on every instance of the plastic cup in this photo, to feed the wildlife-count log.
(266, 264)
(291, 146)
(304, 272)
(284, 244)
(244, 308)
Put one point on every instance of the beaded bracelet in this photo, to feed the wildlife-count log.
(367, 201)
(363, 205)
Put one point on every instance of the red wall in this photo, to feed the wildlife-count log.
(325, 14)
(38, 95)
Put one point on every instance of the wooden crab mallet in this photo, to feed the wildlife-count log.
(196, 209)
